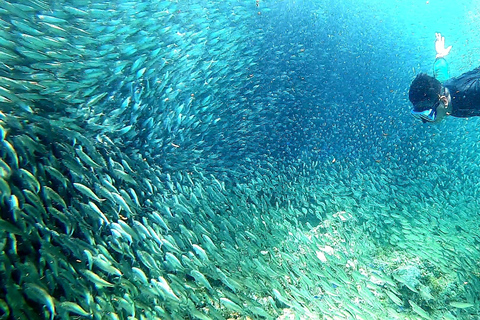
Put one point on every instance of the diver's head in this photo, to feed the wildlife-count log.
(424, 92)
(425, 95)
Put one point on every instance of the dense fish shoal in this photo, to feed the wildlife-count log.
(127, 239)
(133, 184)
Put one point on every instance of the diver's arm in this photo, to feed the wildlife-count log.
(440, 70)
(440, 67)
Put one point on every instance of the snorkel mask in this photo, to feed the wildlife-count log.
(428, 115)
(429, 112)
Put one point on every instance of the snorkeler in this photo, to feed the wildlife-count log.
(434, 98)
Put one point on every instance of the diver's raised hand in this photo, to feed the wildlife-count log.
(440, 46)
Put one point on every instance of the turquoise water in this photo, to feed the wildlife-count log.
(233, 160)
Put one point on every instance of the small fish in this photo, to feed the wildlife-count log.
(231, 305)
(99, 212)
(139, 274)
(56, 29)
(394, 298)
(173, 262)
(85, 158)
(93, 101)
(157, 218)
(54, 173)
(201, 279)
(30, 179)
(106, 266)
(165, 289)
(120, 201)
(52, 195)
(40, 295)
(5, 190)
(51, 19)
(124, 176)
(461, 305)
(5, 170)
(87, 192)
(10, 228)
(416, 308)
(96, 279)
(72, 307)
(11, 153)
(200, 252)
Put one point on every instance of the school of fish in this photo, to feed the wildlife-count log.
(137, 180)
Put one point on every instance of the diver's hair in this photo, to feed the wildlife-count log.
(424, 89)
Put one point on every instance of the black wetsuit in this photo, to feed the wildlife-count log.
(465, 94)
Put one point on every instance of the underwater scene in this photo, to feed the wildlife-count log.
(234, 159)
